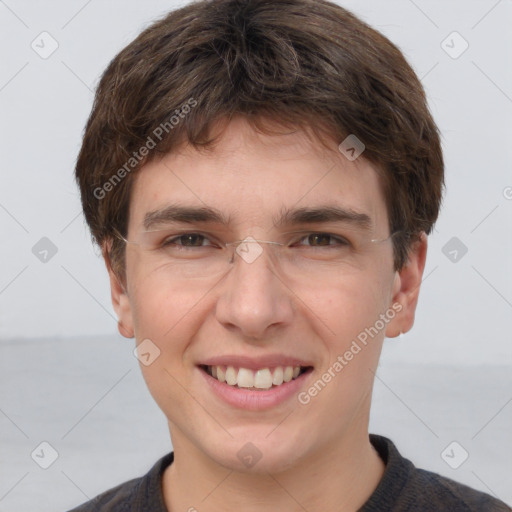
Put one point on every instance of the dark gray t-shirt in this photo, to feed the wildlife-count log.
(403, 488)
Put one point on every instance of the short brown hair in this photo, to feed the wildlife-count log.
(303, 63)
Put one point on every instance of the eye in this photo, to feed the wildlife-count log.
(323, 240)
(187, 240)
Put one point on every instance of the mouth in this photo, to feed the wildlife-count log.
(261, 379)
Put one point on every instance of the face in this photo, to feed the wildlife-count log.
(318, 303)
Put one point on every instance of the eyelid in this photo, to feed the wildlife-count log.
(318, 231)
(300, 234)
(176, 236)
(338, 238)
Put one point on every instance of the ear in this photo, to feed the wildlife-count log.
(406, 289)
(119, 295)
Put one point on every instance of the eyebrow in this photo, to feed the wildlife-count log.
(184, 214)
(287, 217)
(314, 215)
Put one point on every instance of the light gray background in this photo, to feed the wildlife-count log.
(67, 377)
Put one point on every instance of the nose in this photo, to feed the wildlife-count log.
(254, 300)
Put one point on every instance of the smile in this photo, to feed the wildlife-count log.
(260, 379)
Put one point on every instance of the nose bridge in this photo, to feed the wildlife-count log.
(250, 249)
(253, 297)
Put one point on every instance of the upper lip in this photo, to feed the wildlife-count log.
(255, 363)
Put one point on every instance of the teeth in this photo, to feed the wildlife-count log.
(231, 376)
(278, 376)
(288, 374)
(263, 379)
(260, 379)
(245, 378)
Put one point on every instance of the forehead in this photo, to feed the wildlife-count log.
(253, 178)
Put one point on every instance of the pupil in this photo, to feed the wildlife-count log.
(319, 237)
(192, 238)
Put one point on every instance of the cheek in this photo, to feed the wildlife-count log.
(351, 311)
(166, 313)
(162, 305)
(350, 306)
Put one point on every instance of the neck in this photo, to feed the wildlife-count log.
(337, 478)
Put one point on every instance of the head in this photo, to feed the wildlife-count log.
(239, 107)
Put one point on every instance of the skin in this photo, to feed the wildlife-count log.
(315, 456)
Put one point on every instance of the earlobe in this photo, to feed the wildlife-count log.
(406, 288)
(120, 298)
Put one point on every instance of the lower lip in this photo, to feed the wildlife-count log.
(255, 400)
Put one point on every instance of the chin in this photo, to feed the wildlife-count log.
(256, 454)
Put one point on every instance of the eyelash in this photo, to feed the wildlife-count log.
(341, 242)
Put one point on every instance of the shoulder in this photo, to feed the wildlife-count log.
(139, 494)
(405, 488)
(119, 498)
(431, 489)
